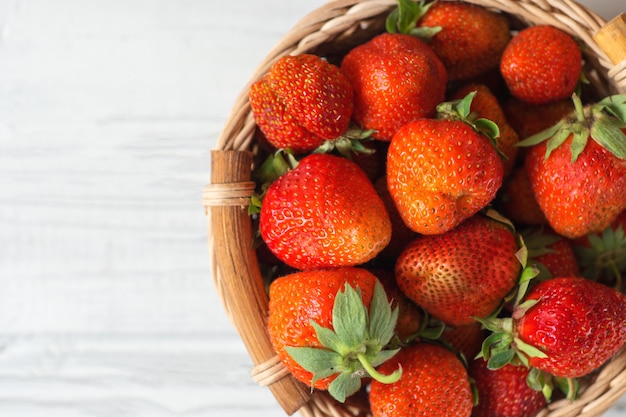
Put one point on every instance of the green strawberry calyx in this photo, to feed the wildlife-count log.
(461, 110)
(349, 143)
(274, 166)
(605, 257)
(602, 122)
(356, 344)
(404, 18)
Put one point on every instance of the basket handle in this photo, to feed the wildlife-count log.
(238, 278)
(612, 38)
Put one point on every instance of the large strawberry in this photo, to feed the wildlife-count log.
(503, 392)
(541, 64)
(301, 102)
(442, 171)
(577, 169)
(330, 327)
(324, 213)
(565, 327)
(396, 78)
(448, 276)
(470, 39)
(434, 382)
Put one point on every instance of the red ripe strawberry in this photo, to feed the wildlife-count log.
(486, 105)
(447, 274)
(324, 213)
(327, 325)
(434, 383)
(563, 328)
(541, 64)
(528, 119)
(504, 392)
(575, 323)
(554, 253)
(471, 39)
(301, 102)
(517, 201)
(441, 172)
(577, 169)
(396, 78)
(466, 339)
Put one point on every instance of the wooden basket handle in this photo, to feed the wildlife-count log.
(612, 39)
(237, 277)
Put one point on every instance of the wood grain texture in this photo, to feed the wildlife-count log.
(108, 112)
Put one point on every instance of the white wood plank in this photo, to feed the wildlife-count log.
(108, 110)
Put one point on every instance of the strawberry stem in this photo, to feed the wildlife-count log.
(382, 378)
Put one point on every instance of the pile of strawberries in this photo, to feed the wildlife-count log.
(442, 215)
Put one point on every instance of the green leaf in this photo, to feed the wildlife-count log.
(540, 381)
(610, 136)
(535, 379)
(494, 343)
(404, 18)
(615, 105)
(529, 350)
(569, 387)
(382, 318)
(330, 339)
(579, 142)
(500, 359)
(556, 141)
(383, 356)
(487, 127)
(315, 359)
(350, 317)
(343, 386)
(425, 33)
(541, 136)
(463, 106)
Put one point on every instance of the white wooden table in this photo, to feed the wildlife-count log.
(108, 111)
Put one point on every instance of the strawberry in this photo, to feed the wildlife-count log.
(577, 169)
(552, 252)
(563, 328)
(466, 339)
(486, 105)
(576, 323)
(442, 171)
(301, 102)
(528, 119)
(434, 383)
(517, 202)
(541, 64)
(470, 39)
(504, 391)
(447, 275)
(324, 213)
(396, 78)
(329, 328)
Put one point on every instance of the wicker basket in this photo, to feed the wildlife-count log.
(330, 31)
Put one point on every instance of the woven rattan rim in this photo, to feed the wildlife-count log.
(343, 18)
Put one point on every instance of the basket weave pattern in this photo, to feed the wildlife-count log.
(330, 31)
